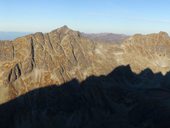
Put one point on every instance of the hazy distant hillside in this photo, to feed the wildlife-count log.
(11, 35)
(106, 37)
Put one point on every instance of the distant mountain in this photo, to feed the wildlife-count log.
(11, 35)
(106, 37)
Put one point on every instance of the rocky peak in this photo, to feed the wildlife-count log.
(41, 59)
(163, 34)
(63, 29)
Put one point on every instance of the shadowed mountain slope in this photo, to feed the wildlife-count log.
(120, 99)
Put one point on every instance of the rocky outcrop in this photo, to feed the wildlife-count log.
(147, 51)
(57, 57)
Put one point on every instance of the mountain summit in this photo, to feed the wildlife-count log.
(41, 59)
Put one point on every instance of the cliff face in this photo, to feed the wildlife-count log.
(39, 59)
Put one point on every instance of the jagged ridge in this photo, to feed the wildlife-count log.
(39, 59)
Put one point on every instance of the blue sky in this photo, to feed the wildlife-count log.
(117, 16)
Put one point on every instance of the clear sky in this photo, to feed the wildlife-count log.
(117, 16)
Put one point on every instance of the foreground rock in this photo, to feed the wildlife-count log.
(121, 99)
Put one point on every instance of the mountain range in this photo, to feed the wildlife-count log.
(70, 79)
(11, 35)
(106, 37)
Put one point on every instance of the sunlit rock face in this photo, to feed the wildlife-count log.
(57, 57)
(41, 59)
(151, 51)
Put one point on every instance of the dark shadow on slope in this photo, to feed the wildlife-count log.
(122, 99)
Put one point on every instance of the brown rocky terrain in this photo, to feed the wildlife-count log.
(151, 51)
(39, 59)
